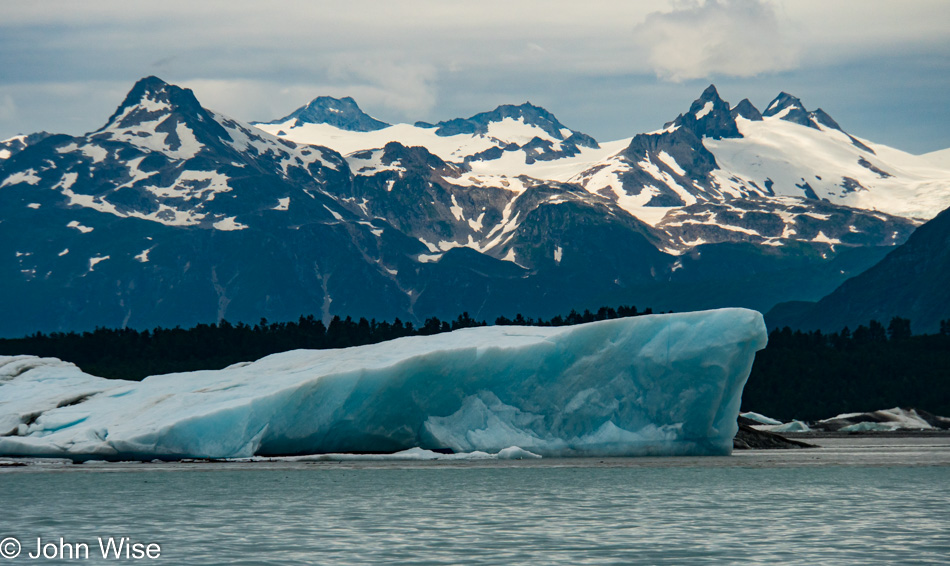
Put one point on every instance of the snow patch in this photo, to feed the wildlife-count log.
(190, 184)
(428, 258)
(229, 224)
(93, 261)
(29, 177)
(75, 224)
(671, 163)
(335, 214)
(706, 109)
(477, 223)
(457, 210)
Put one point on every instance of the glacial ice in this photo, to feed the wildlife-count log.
(649, 385)
(792, 426)
(760, 418)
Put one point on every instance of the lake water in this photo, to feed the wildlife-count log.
(854, 501)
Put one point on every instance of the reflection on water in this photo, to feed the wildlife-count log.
(857, 501)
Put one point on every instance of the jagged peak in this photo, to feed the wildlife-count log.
(710, 94)
(343, 113)
(747, 110)
(790, 108)
(822, 117)
(709, 116)
(781, 102)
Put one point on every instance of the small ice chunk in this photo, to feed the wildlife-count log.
(793, 426)
(516, 453)
(760, 418)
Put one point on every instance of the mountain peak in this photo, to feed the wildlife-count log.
(710, 94)
(343, 113)
(786, 105)
(746, 110)
(151, 97)
(149, 84)
(527, 113)
(824, 119)
(709, 116)
(790, 108)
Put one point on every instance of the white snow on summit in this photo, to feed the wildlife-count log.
(791, 159)
(791, 156)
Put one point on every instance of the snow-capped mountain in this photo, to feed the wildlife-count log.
(164, 158)
(729, 160)
(173, 214)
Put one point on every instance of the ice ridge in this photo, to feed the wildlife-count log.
(650, 385)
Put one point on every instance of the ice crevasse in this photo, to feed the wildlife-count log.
(649, 385)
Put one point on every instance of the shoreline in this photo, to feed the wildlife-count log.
(910, 449)
(815, 434)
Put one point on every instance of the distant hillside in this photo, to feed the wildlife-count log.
(913, 282)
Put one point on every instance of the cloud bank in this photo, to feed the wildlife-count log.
(703, 39)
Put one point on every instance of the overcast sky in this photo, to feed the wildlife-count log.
(611, 69)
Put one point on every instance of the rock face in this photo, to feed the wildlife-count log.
(749, 438)
(649, 385)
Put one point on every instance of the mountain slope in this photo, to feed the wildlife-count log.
(16, 144)
(913, 281)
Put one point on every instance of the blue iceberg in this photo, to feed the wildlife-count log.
(649, 385)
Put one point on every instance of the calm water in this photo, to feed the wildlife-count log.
(851, 502)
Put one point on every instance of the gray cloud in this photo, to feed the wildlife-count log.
(65, 65)
(8, 110)
(707, 38)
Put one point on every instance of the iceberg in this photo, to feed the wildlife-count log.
(651, 385)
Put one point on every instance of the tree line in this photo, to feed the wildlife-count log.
(814, 375)
(802, 375)
(132, 354)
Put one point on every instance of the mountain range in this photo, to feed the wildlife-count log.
(173, 214)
